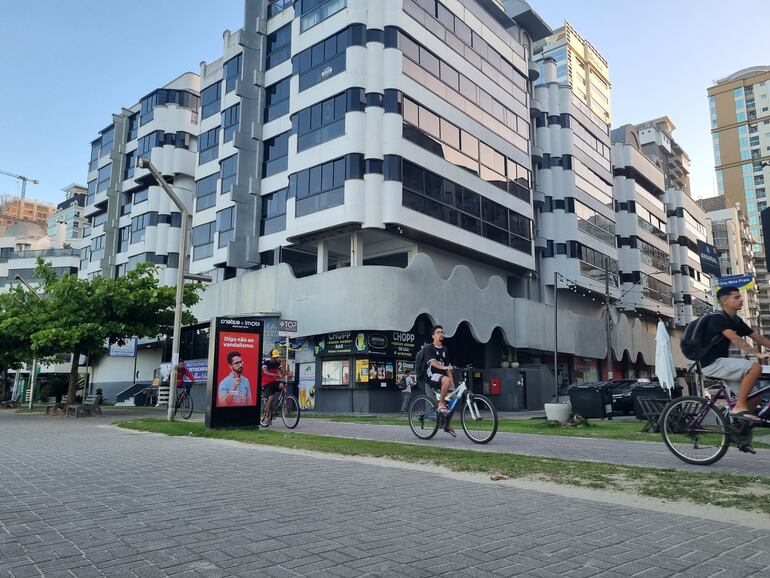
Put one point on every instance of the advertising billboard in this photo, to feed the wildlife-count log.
(234, 377)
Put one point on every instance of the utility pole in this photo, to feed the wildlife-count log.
(609, 319)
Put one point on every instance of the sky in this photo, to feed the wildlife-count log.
(68, 65)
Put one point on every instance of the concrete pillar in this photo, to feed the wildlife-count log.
(322, 263)
(356, 249)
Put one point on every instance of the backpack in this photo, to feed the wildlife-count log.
(693, 343)
(420, 366)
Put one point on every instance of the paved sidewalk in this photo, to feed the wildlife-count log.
(81, 498)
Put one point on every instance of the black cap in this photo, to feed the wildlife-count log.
(727, 290)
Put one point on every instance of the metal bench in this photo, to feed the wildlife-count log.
(54, 408)
(90, 406)
(652, 408)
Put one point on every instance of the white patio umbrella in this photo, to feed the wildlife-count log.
(664, 359)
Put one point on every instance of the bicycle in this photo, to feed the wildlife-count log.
(184, 403)
(288, 405)
(478, 415)
(699, 430)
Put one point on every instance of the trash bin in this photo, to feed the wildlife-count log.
(650, 390)
(591, 399)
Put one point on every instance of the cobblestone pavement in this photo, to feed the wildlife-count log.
(81, 498)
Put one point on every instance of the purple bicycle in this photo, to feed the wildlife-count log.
(699, 430)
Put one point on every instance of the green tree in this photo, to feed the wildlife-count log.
(80, 316)
(15, 345)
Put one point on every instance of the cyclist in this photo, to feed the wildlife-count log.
(740, 374)
(181, 373)
(440, 371)
(274, 370)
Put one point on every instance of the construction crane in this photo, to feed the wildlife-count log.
(23, 180)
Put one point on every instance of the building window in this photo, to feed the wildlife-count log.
(315, 11)
(210, 99)
(319, 187)
(124, 238)
(274, 212)
(96, 146)
(434, 196)
(141, 195)
(99, 219)
(148, 142)
(139, 225)
(203, 240)
(230, 118)
(132, 127)
(232, 72)
(277, 6)
(130, 166)
(97, 248)
(108, 137)
(208, 146)
(327, 57)
(325, 120)
(443, 138)
(277, 99)
(229, 171)
(594, 223)
(206, 192)
(278, 47)
(103, 180)
(226, 226)
(275, 156)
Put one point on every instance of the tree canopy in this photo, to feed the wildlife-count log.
(80, 316)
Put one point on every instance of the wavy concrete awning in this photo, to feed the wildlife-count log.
(382, 298)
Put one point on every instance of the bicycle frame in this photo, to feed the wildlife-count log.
(720, 391)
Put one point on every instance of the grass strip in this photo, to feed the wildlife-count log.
(719, 489)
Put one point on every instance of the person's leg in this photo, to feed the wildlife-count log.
(269, 413)
(445, 383)
(747, 384)
(405, 401)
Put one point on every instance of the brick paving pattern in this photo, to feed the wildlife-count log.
(79, 498)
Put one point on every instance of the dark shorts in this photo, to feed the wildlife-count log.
(271, 388)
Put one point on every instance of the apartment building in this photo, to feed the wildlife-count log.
(132, 220)
(21, 245)
(579, 65)
(642, 222)
(658, 145)
(740, 129)
(70, 212)
(734, 243)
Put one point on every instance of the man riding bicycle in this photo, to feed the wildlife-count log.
(440, 371)
(274, 372)
(181, 373)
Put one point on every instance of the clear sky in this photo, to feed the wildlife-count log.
(68, 65)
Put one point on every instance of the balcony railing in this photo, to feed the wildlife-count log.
(597, 273)
(46, 253)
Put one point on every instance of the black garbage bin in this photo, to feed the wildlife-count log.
(651, 390)
(591, 399)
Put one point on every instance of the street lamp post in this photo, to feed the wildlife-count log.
(33, 374)
(144, 163)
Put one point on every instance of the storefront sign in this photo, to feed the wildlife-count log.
(307, 386)
(128, 349)
(378, 343)
(362, 370)
(742, 282)
(287, 328)
(236, 350)
(709, 260)
(336, 343)
(199, 369)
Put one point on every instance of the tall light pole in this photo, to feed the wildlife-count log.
(33, 375)
(556, 277)
(144, 163)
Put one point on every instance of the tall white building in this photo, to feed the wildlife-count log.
(132, 220)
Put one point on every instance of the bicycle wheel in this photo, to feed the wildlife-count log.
(693, 431)
(479, 419)
(423, 420)
(290, 411)
(186, 407)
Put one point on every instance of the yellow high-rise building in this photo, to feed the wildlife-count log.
(581, 66)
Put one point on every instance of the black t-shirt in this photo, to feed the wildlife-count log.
(716, 324)
(440, 354)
